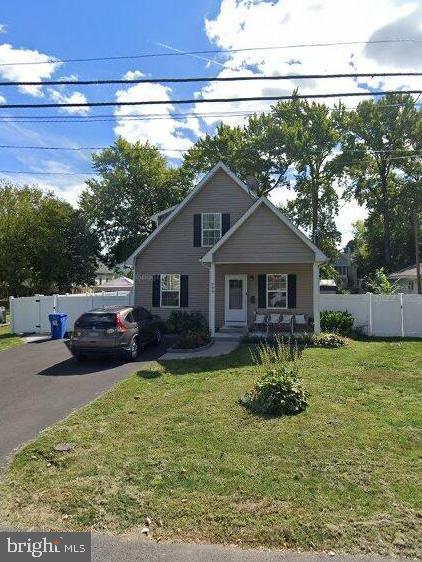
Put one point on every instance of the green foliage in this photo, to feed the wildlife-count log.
(182, 322)
(193, 339)
(378, 283)
(135, 182)
(279, 391)
(56, 249)
(338, 321)
(328, 271)
(329, 340)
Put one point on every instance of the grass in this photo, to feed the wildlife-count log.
(7, 339)
(172, 443)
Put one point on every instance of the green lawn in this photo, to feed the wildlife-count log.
(178, 448)
(7, 339)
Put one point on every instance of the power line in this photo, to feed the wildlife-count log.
(255, 77)
(400, 153)
(205, 100)
(210, 52)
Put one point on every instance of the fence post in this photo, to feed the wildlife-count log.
(54, 303)
(12, 314)
(370, 326)
(402, 315)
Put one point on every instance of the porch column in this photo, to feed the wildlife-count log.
(316, 293)
(211, 299)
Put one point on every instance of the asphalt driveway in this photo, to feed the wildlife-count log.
(41, 383)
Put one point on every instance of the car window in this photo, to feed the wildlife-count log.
(96, 320)
(130, 317)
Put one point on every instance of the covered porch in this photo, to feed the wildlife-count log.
(241, 294)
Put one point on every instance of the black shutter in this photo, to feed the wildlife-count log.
(155, 290)
(225, 223)
(262, 291)
(291, 291)
(184, 291)
(197, 231)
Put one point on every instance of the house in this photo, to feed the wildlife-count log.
(103, 274)
(118, 284)
(405, 280)
(328, 286)
(347, 270)
(227, 253)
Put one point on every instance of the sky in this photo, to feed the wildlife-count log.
(36, 32)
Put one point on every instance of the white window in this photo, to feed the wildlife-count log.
(276, 290)
(170, 290)
(211, 228)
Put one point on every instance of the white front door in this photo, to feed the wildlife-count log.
(235, 300)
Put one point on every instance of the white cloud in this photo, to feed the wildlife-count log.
(165, 132)
(26, 72)
(3, 28)
(242, 24)
(59, 96)
(2, 99)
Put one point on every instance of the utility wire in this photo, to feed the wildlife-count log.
(205, 100)
(212, 51)
(207, 79)
(398, 153)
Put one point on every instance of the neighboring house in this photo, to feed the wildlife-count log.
(228, 254)
(118, 284)
(347, 270)
(405, 280)
(328, 286)
(103, 274)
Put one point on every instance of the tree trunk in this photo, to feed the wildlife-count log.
(385, 211)
(417, 253)
(315, 206)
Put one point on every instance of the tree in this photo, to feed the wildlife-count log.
(45, 244)
(311, 136)
(134, 183)
(375, 138)
(256, 151)
(378, 283)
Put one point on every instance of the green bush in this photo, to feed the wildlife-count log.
(279, 391)
(182, 322)
(191, 340)
(329, 340)
(337, 321)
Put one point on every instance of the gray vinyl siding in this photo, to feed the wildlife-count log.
(264, 238)
(172, 251)
(304, 288)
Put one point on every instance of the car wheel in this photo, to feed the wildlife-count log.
(157, 337)
(133, 349)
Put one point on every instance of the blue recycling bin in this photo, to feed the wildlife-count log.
(58, 322)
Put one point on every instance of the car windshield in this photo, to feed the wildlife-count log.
(97, 321)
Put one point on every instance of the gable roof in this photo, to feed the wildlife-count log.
(407, 272)
(319, 256)
(220, 166)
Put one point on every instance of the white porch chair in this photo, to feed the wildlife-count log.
(260, 321)
(286, 322)
(300, 322)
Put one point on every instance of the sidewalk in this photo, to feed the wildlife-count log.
(216, 349)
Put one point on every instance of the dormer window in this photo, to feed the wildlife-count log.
(211, 228)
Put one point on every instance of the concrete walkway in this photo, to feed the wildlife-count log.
(215, 350)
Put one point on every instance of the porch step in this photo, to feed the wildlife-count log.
(230, 333)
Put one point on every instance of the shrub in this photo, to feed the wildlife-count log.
(280, 390)
(182, 322)
(191, 340)
(329, 340)
(338, 321)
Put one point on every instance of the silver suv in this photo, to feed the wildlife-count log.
(114, 330)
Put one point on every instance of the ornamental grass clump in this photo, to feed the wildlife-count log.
(279, 390)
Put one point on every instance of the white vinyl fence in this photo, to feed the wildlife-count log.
(380, 315)
(30, 314)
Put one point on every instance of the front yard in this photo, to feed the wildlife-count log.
(7, 339)
(178, 448)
